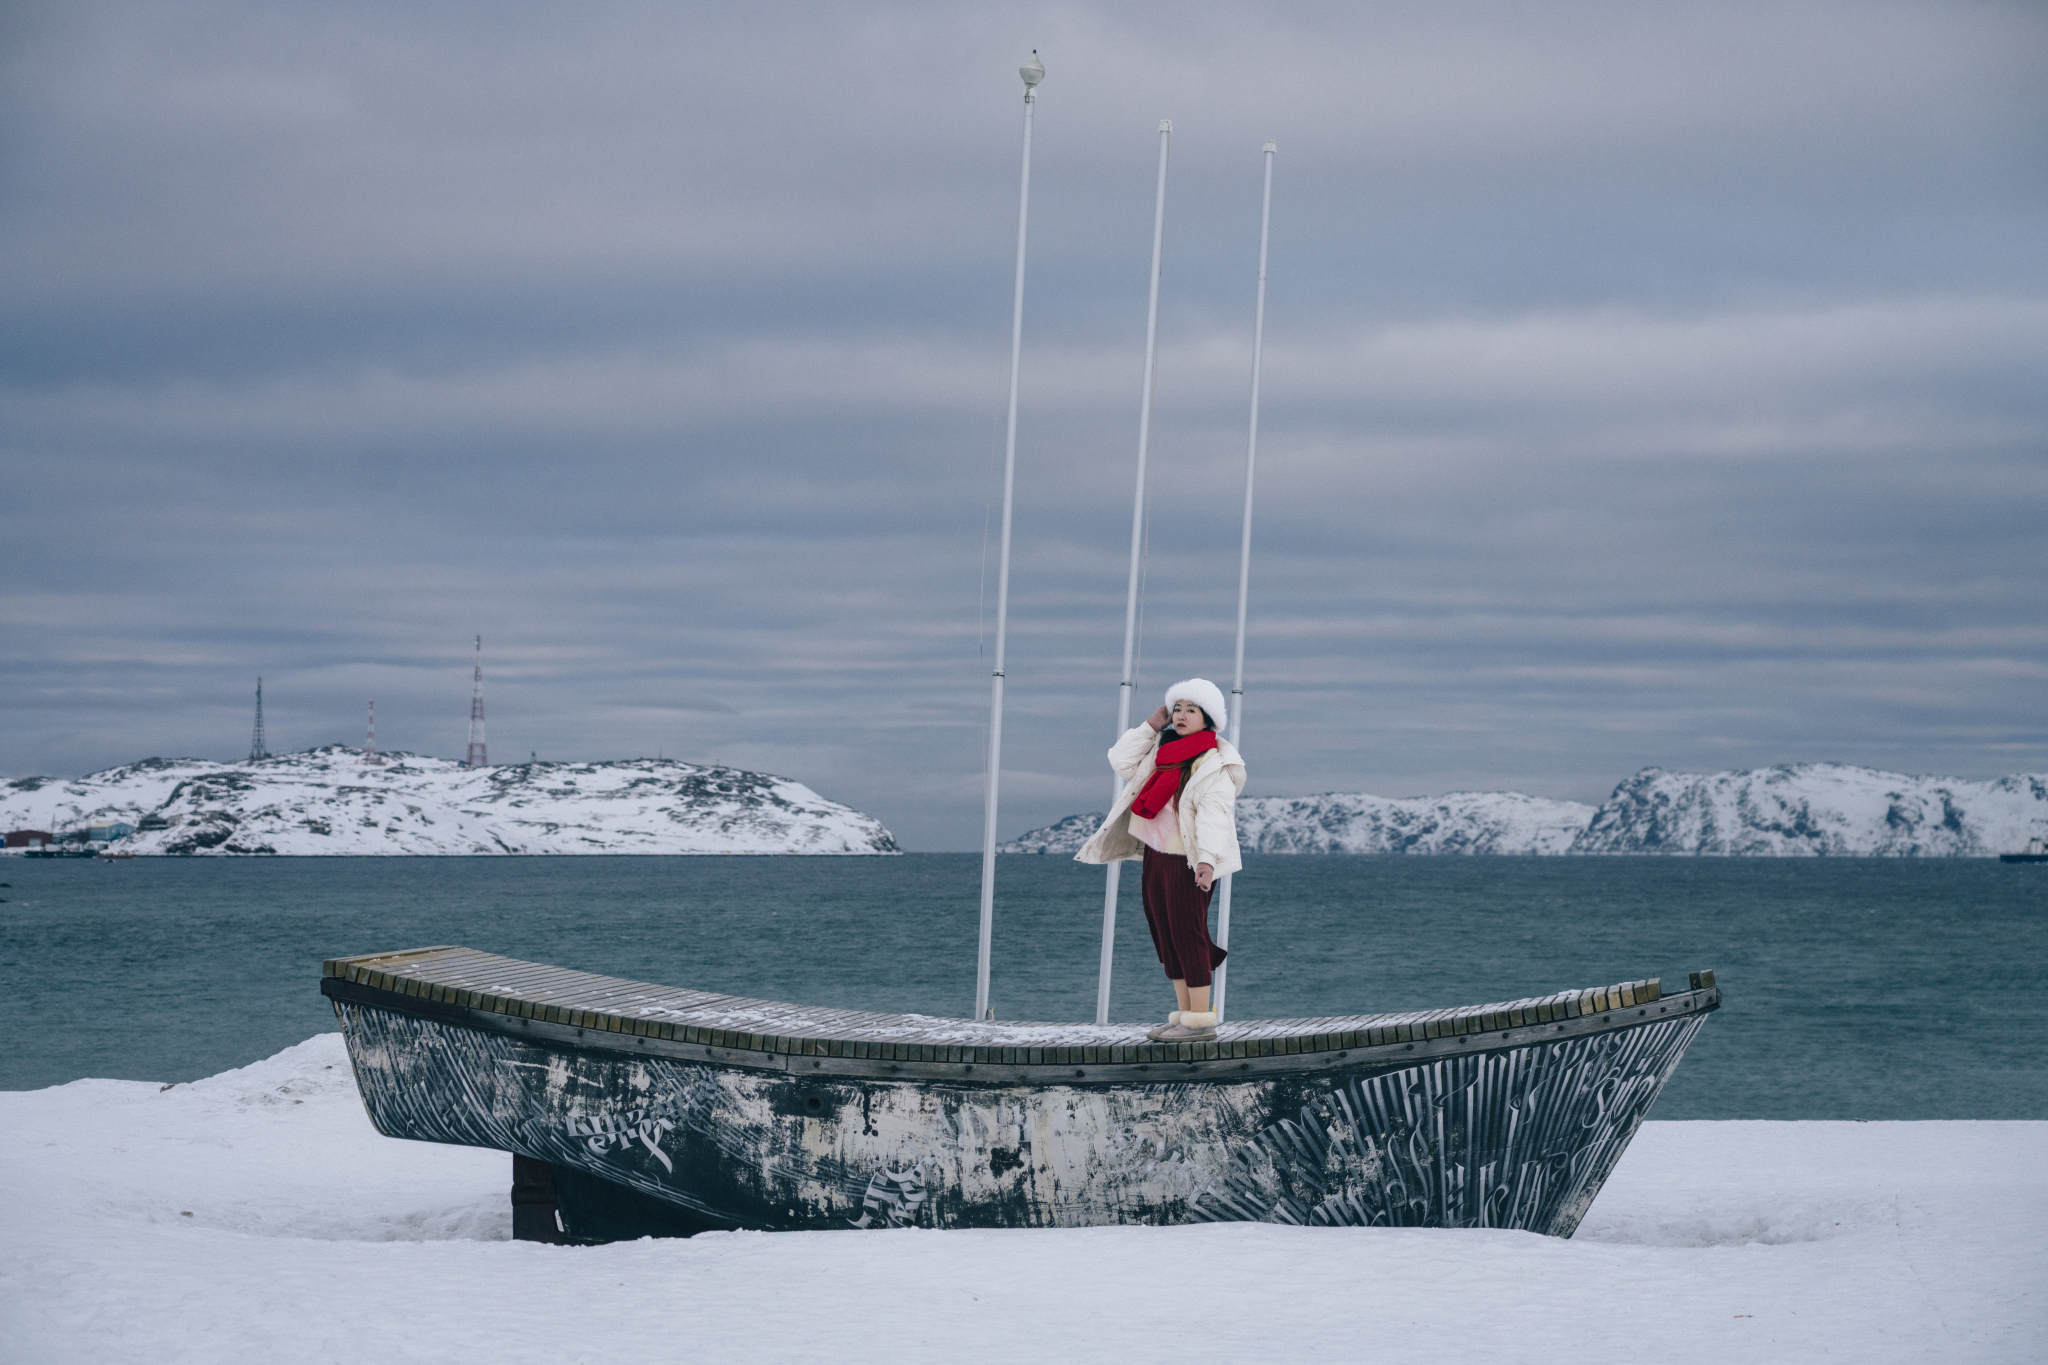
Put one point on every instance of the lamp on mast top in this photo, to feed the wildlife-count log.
(1032, 71)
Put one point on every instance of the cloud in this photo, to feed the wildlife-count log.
(1642, 386)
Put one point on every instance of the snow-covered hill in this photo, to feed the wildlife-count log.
(1818, 810)
(1803, 810)
(326, 801)
(1064, 836)
(1462, 822)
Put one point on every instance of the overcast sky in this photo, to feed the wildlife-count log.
(1644, 385)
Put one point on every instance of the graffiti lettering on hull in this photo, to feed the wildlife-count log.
(602, 1134)
(893, 1199)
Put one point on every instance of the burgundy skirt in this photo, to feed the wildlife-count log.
(1177, 913)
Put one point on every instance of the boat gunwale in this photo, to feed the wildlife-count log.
(1405, 1038)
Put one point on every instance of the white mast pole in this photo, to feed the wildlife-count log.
(1124, 688)
(1244, 557)
(1033, 72)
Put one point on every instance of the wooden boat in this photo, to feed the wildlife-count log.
(634, 1109)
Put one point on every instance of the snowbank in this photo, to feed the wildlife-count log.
(327, 801)
(255, 1217)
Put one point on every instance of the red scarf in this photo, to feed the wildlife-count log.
(1164, 784)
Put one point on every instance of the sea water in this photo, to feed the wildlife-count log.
(1855, 988)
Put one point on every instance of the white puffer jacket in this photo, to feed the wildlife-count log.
(1207, 804)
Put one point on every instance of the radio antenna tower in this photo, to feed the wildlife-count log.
(257, 753)
(479, 755)
(370, 739)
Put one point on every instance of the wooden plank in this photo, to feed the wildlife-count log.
(487, 982)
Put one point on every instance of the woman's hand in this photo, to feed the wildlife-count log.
(1159, 719)
(1205, 876)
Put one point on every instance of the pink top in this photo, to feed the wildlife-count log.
(1162, 831)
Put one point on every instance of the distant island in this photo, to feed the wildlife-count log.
(328, 801)
(1799, 810)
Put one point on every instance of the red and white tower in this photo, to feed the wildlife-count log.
(478, 754)
(370, 739)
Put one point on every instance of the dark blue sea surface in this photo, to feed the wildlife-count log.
(1881, 989)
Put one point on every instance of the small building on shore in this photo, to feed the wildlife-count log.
(29, 838)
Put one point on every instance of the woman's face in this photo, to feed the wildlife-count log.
(1188, 718)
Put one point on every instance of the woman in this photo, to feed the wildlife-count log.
(1177, 812)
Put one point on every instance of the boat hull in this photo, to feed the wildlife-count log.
(1516, 1129)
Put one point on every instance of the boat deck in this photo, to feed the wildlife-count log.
(493, 991)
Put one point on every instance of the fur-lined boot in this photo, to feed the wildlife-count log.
(1193, 1026)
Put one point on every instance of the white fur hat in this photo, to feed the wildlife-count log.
(1204, 694)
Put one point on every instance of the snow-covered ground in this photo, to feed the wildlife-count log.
(256, 1217)
(1800, 810)
(327, 801)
